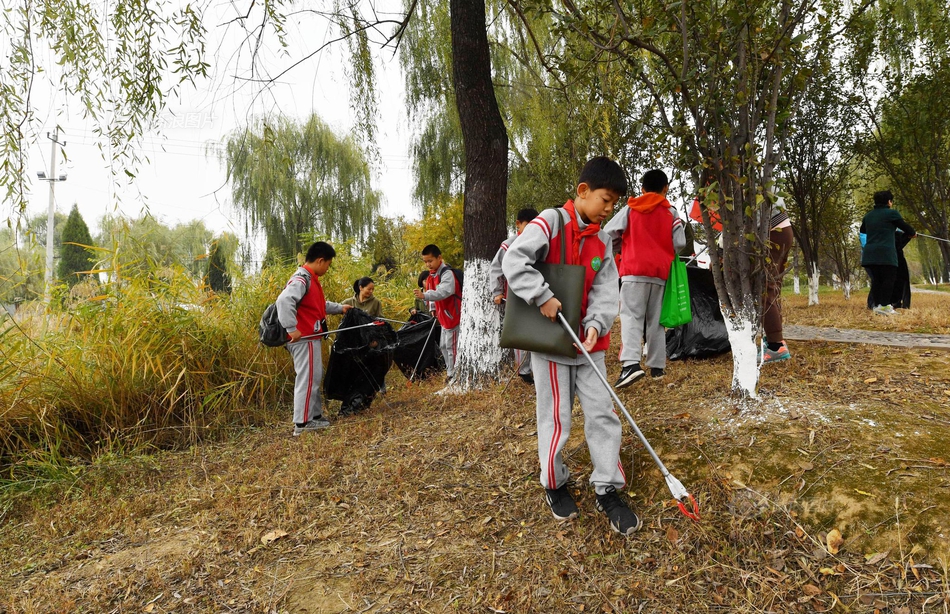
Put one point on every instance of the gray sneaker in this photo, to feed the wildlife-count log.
(314, 425)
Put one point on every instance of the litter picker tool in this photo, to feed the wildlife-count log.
(422, 352)
(517, 370)
(920, 234)
(337, 330)
(677, 489)
(393, 321)
(697, 255)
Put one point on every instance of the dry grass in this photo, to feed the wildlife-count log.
(929, 312)
(430, 503)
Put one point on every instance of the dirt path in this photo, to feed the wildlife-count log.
(852, 335)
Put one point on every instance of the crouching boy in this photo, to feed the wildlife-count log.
(558, 379)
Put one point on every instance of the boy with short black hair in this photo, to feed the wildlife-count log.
(649, 233)
(500, 287)
(558, 379)
(301, 309)
(444, 292)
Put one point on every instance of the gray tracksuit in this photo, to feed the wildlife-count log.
(500, 287)
(558, 379)
(641, 300)
(448, 342)
(307, 357)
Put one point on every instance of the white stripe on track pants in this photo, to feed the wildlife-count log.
(556, 385)
(308, 363)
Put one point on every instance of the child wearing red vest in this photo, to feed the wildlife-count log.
(500, 287)
(301, 308)
(444, 292)
(558, 379)
(649, 233)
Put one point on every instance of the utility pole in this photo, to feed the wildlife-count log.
(51, 213)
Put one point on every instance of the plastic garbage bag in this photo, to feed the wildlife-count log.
(359, 361)
(413, 346)
(706, 334)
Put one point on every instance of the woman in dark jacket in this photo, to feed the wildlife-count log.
(879, 257)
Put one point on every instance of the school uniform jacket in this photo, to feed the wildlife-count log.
(540, 242)
(303, 309)
(648, 240)
(441, 291)
(497, 276)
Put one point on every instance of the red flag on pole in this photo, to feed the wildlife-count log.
(695, 214)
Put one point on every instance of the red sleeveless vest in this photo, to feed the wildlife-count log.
(590, 253)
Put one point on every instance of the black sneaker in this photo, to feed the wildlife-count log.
(561, 502)
(657, 373)
(628, 375)
(622, 519)
(527, 378)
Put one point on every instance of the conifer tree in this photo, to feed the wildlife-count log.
(75, 257)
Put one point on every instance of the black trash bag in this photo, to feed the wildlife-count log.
(414, 347)
(359, 361)
(706, 334)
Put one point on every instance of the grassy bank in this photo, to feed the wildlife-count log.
(430, 502)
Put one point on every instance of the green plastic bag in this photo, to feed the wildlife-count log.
(676, 310)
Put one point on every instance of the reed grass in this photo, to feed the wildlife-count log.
(151, 361)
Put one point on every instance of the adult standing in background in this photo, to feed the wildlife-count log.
(780, 243)
(879, 257)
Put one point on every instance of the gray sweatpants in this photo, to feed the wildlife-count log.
(448, 343)
(308, 363)
(640, 305)
(555, 385)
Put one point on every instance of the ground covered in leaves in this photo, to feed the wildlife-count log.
(828, 494)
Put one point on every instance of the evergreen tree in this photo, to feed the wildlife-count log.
(218, 279)
(75, 257)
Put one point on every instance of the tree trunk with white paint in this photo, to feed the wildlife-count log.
(796, 283)
(742, 329)
(847, 289)
(813, 285)
(479, 352)
(486, 186)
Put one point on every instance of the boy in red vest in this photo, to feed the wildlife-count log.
(443, 291)
(500, 287)
(301, 309)
(558, 379)
(649, 233)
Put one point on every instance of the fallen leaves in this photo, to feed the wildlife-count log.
(834, 541)
(272, 536)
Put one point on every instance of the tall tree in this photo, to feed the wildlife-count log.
(817, 161)
(75, 255)
(724, 76)
(900, 63)
(290, 179)
(218, 278)
(486, 186)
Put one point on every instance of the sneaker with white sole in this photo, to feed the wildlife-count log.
(622, 519)
(885, 310)
(313, 425)
(778, 355)
(628, 375)
(561, 503)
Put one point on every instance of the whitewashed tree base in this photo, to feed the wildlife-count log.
(847, 290)
(479, 355)
(745, 360)
(813, 287)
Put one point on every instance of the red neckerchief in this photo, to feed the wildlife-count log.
(578, 235)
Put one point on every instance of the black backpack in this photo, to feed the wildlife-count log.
(272, 334)
(460, 278)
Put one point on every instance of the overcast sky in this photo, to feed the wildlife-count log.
(180, 181)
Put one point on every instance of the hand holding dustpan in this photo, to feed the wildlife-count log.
(677, 489)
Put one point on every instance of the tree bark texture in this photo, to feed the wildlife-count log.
(486, 185)
(483, 132)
